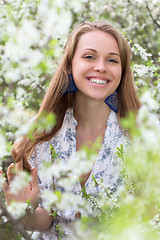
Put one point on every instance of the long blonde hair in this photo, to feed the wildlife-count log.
(58, 103)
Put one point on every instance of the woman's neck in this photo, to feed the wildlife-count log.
(91, 115)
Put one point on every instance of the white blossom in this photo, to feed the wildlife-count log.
(67, 174)
(19, 118)
(76, 5)
(13, 75)
(69, 201)
(35, 235)
(27, 35)
(20, 181)
(3, 149)
(141, 70)
(17, 209)
(149, 101)
(51, 25)
(138, 49)
(49, 199)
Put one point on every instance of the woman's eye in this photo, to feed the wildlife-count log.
(112, 61)
(89, 57)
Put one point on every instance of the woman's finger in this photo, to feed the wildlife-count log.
(34, 181)
(19, 166)
(11, 172)
(5, 187)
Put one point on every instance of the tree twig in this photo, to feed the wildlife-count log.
(154, 20)
(17, 226)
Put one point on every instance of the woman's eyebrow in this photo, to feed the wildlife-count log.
(94, 50)
(113, 53)
(91, 49)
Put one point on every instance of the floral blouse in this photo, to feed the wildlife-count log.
(106, 166)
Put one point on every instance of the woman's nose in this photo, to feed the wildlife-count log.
(100, 66)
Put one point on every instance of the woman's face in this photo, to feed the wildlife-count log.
(96, 65)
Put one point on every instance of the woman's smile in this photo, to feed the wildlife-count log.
(98, 82)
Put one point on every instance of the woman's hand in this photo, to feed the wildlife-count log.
(29, 193)
(39, 220)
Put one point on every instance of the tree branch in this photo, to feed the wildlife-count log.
(154, 20)
(17, 226)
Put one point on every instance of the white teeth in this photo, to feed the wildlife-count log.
(97, 81)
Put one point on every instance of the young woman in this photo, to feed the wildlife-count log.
(90, 92)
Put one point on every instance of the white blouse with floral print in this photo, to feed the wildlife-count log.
(106, 166)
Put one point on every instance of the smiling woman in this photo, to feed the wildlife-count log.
(93, 75)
